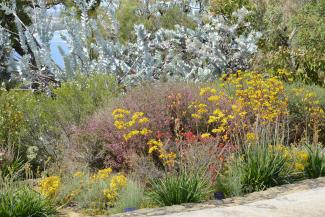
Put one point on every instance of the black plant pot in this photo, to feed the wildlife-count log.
(219, 195)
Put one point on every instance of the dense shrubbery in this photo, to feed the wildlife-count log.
(245, 109)
(292, 39)
(237, 134)
(199, 120)
(33, 127)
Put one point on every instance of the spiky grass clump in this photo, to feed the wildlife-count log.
(22, 201)
(184, 187)
(316, 161)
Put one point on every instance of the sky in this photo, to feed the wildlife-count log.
(57, 40)
(55, 43)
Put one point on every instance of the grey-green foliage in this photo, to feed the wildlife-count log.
(187, 54)
(34, 42)
(182, 53)
(130, 197)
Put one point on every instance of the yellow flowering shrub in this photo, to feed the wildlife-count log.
(101, 174)
(49, 186)
(201, 109)
(250, 136)
(296, 157)
(264, 97)
(117, 183)
(157, 146)
(125, 120)
(92, 190)
(244, 105)
(131, 122)
(311, 111)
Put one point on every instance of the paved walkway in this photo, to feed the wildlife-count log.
(307, 203)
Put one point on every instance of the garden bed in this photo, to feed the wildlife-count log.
(249, 198)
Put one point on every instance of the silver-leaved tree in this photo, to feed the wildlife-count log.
(215, 46)
(5, 50)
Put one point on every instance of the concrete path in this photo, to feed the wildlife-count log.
(307, 203)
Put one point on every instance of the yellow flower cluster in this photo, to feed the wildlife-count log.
(50, 185)
(263, 96)
(206, 90)
(157, 145)
(78, 174)
(200, 108)
(301, 159)
(296, 158)
(284, 74)
(143, 131)
(221, 119)
(138, 118)
(313, 111)
(250, 100)
(101, 174)
(124, 119)
(205, 135)
(117, 183)
(250, 137)
(312, 104)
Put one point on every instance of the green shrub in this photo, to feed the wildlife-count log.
(306, 121)
(127, 17)
(84, 192)
(302, 65)
(293, 39)
(258, 167)
(35, 125)
(10, 165)
(311, 29)
(77, 99)
(23, 202)
(12, 121)
(184, 187)
(227, 7)
(316, 161)
(230, 181)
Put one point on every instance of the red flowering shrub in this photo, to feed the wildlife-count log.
(165, 105)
